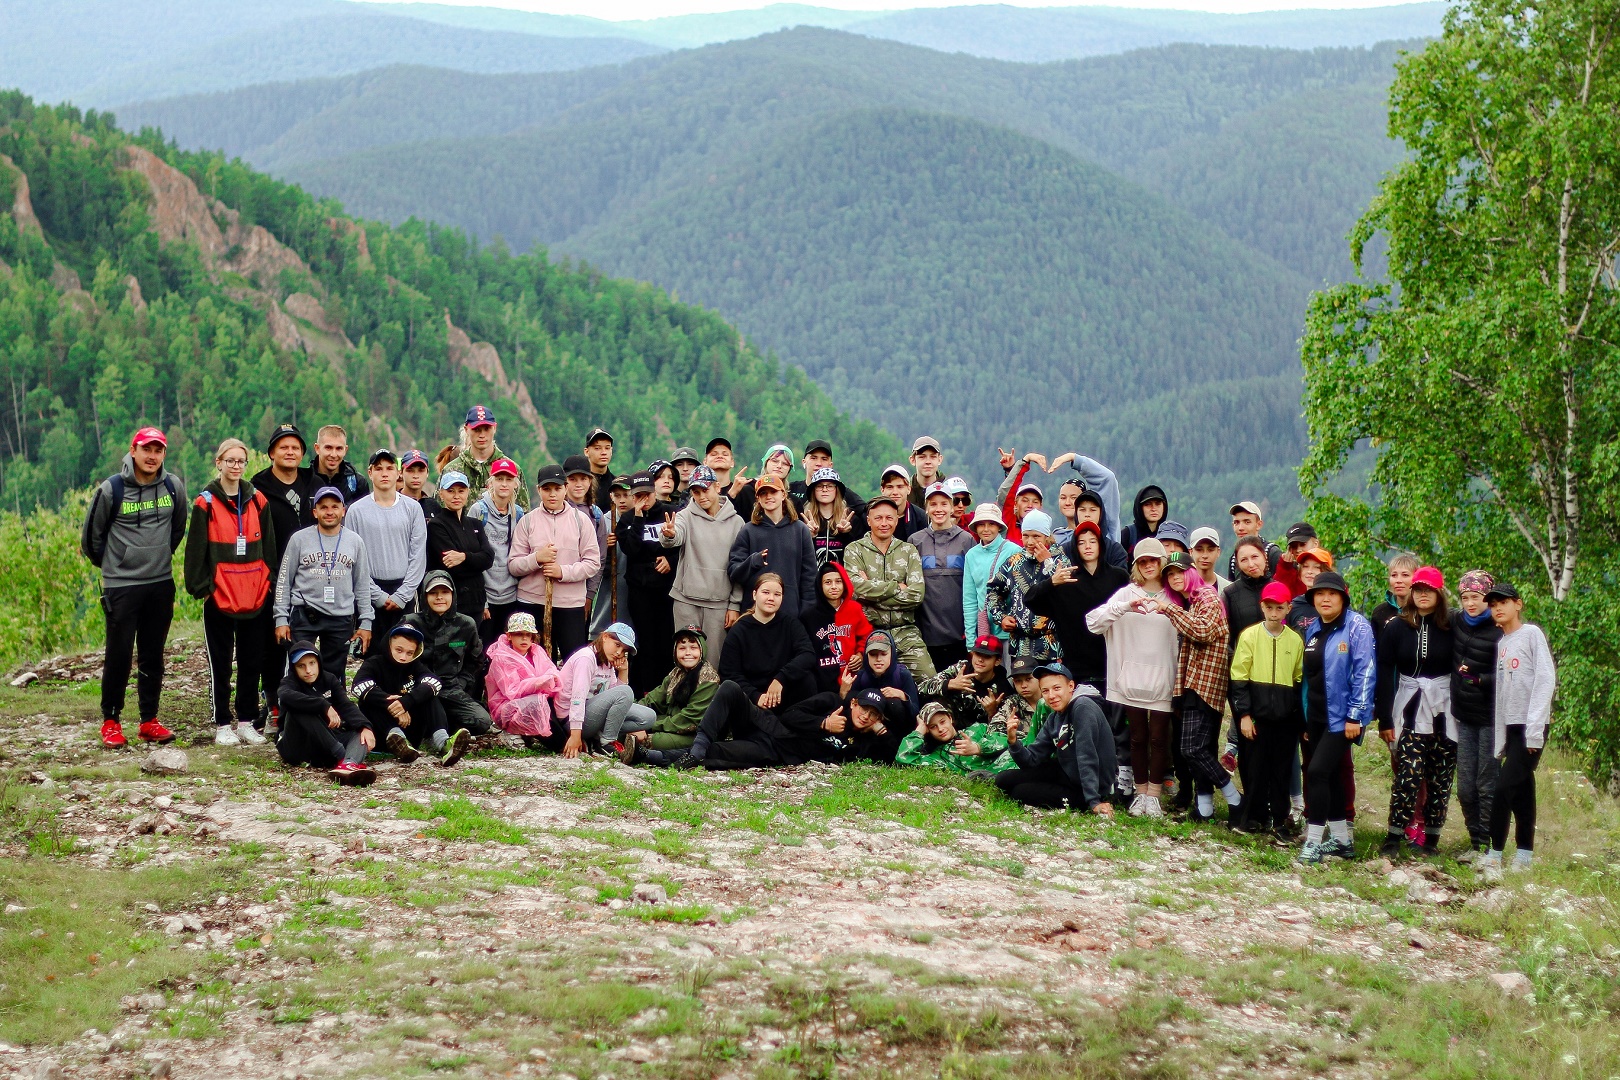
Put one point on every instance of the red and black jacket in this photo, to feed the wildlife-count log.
(238, 584)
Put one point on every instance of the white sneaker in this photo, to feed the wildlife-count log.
(225, 735)
(249, 736)
(1138, 806)
(1151, 806)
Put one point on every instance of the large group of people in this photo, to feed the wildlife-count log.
(685, 615)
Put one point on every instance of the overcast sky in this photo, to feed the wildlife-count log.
(652, 9)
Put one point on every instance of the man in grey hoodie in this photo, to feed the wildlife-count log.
(324, 589)
(131, 532)
(703, 592)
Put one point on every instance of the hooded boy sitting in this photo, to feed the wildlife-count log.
(861, 729)
(453, 651)
(320, 726)
(937, 744)
(400, 696)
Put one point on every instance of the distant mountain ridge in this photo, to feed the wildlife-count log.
(101, 53)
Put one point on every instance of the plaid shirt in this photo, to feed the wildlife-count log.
(1204, 663)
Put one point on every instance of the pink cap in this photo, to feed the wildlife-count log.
(503, 467)
(149, 435)
(1430, 576)
(1276, 592)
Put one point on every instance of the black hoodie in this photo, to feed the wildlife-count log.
(451, 648)
(1085, 653)
(755, 653)
(1139, 529)
(450, 531)
(1242, 599)
(298, 698)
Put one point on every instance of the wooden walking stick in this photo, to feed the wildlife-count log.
(546, 629)
(613, 569)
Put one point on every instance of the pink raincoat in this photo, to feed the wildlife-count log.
(520, 688)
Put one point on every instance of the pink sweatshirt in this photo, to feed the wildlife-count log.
(582, 678)
(574, 534)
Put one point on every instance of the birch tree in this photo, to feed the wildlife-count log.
(1484, 367)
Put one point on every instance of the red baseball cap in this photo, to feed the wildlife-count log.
(503, 467)
(1276, 592)
(148, 435)
(1430, 576)
(988, 645)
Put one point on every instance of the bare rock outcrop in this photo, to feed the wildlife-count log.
(181, 212)
(304, 306)
(345, 227)
(64, 280)
(132, 293)
(481, 357)
(22, 202)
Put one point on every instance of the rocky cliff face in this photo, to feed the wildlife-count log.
(181, 212)
(482, 357)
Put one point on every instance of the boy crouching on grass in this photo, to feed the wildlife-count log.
(400, 696)
(1071, 760)
(320, 726)
(937, 744)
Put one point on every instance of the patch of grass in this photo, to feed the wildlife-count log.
(462, 819)
(674, 913)
(79, 946)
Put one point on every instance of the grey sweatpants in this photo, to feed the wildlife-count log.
(711, 620)
(1477, 769)
(613, 712)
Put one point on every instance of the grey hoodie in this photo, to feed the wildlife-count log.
(500, 587)
(134, 541)
(701, 577)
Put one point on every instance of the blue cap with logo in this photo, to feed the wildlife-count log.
(479, 416)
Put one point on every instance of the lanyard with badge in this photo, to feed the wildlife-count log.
(241, 531)
(330, 595)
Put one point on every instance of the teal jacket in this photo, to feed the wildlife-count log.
(983, 560)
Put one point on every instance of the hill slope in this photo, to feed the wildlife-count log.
(739, 175)
(673, 120)
(939, 274)
(143, 284)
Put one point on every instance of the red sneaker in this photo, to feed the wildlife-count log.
(152, 731)
(112, 735)
(351, 774)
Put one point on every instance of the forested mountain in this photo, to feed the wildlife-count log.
(874, 248)
(1118, 239)
(107, 52)
(142, 284)
(110, 52)
(1000, 31)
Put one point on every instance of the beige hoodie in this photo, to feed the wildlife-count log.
(1142, 650)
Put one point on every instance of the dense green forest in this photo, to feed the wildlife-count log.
(1280, 148)
(866, 249)
(108, 320)
(1112, 235)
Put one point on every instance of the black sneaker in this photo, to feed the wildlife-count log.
(1394, 847)
(456, 748)
(401, 747)
(686, 761)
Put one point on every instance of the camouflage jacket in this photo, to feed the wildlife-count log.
(889, 587)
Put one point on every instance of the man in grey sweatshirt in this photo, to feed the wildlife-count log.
(395, 533)
(324, 590)
(134, 525)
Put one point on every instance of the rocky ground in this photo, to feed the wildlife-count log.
(526, 915)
